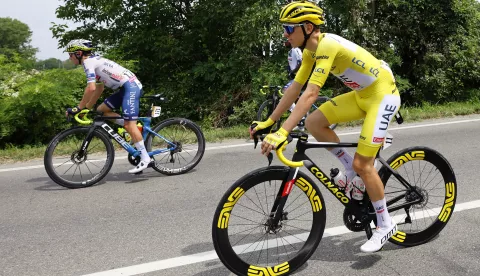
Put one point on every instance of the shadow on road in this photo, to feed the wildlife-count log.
(331, 249)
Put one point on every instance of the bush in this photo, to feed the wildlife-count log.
(36, 113)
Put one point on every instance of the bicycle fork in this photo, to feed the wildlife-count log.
(277, 214)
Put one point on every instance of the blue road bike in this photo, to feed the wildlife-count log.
(83, 155)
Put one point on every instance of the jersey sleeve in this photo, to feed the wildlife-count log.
(308, 59)
(326, 52)
(89, 68)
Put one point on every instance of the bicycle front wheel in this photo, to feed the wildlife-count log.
(243, 235)
(185, 141)
(72, 168)
(419, 219)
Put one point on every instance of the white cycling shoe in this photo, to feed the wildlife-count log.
(140, 167)
(379, 238)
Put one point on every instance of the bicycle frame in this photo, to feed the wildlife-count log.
(299, 155)
(99, 122)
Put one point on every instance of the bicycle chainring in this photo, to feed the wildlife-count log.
(356, 217)
(133, 160)
(352, 222)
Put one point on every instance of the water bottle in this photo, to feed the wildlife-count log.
(126, 136)
(338, 178)
(357, 188)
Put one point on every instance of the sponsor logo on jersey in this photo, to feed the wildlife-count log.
(387, 116)
(323, 57)
(350, 83)
(375, 71)
(378, 140)
(358, 62)
(320, 70)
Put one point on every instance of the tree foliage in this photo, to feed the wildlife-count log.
(16, 38)
(209, 57)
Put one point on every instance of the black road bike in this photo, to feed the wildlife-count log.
(270, 221)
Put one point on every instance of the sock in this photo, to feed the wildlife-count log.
(347, 161)
(383, 217)
(144, 154)
(119, 122)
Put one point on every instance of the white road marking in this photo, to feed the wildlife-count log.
(211, 255)
(250, 144)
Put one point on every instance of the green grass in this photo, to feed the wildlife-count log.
(15, 154)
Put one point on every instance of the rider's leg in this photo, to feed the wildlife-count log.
(131, 110)
(339, 109)
(112, 102)
(380, 108)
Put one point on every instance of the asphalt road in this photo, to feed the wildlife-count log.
(161, 225)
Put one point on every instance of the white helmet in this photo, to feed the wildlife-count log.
(79, 45)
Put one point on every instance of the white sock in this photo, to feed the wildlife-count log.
(144, 154)
(347, 161)
(119, 122)
(383, 218)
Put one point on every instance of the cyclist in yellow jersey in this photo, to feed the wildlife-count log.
(374, 97)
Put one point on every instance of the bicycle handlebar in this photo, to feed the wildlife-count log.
(271, 87)
(84, 120)
(279, 151)
(286, 161)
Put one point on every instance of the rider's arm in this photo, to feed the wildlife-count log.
(303, 105)
(98, 91)
(292, 92)
(88, 95)
(89, 67)
(289, 96)
(325, 55)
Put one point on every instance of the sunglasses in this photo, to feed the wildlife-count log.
(289, 28)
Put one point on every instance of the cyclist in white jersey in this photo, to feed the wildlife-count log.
(103, 72)
(294, 63)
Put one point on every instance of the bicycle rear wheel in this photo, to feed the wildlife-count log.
(189, 146)
(246, 243)
(67, 167)
(430, 175)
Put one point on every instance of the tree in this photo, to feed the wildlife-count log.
(16, 38)
(48, 64)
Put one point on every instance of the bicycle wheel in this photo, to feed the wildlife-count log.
(265, 110)
(188, 139)
(68, 168)
(239, 231)
(431, 175)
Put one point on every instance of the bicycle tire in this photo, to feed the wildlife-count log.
(266, 110)
(446, 178)
(82, 131)
(233, 198)
(184, 123)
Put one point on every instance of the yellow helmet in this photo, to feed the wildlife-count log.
(301, 11)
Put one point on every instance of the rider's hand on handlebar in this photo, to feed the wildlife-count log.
(274, 140)
(72, 111)
(263, 127)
